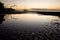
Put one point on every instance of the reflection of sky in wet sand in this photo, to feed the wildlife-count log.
(27, 21)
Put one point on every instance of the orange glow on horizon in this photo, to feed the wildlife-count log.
(29, 7)
(27, 4)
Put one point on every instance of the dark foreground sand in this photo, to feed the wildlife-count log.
(50, 33)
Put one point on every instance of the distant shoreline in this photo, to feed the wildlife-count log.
(44, 13)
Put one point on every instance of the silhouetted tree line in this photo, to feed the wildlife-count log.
(1, 11)
(1, 7)
(5, 10)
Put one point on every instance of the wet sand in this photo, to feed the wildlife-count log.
(29, 30)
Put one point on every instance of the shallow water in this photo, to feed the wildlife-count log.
(30, 22)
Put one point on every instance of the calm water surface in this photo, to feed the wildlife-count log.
(28, 21)
(29, 26)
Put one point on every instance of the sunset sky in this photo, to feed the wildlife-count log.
(26, 4)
